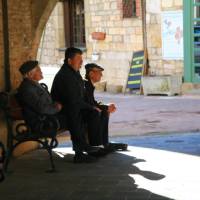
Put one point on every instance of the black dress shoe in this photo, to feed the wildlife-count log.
(83, 158)
(100, 153)
(118, 146)
(91, 149)
(109, 149)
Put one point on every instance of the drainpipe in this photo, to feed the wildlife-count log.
(6, 46)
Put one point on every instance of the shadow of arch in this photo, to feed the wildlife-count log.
(109, 178)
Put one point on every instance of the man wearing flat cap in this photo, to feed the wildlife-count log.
(36, 101)
(97, 123)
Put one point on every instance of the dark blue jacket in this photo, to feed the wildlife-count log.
(35, 101)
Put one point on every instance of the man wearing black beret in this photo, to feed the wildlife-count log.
(36, 101)
(97, 123)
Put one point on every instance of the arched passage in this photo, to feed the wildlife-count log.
(26, 21)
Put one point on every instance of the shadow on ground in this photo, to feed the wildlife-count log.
(109, 178)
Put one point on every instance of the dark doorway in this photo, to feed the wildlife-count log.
(74, 20)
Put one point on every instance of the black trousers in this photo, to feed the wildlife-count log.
(97, 127)
(77, 128)
(48, 125)
(73, 121)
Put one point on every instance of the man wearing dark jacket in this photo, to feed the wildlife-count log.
(39, 110)
(68, 88)
(97, 123)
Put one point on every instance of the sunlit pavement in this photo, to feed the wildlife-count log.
(143, 172)
(139, 115)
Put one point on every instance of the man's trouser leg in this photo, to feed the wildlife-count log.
(97, 124)
(77, 131)
(105, 126)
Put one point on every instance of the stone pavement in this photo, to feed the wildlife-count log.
(144, 115)
(144, 172)
(157, 165)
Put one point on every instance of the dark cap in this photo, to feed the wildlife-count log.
(28, 66)
(91, 66)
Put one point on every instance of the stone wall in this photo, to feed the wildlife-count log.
(26, 23)
(123, 37)
(53, 39)
(158, 66)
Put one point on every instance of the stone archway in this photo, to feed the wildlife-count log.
(26, 21)
(40, 26)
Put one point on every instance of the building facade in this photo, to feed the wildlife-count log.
(172, 34)
(72, 24)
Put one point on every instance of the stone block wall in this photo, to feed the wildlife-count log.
(53, 39)
(123, 37)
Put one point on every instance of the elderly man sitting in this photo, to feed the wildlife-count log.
(39, 110)
(97, 122)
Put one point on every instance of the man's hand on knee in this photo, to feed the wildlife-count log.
(111, 108)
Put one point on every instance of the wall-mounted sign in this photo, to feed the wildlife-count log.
(172, 35)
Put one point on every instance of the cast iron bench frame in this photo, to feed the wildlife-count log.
(2, 159)
(20, 132)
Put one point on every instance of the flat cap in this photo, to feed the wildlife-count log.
(91, 66)
(28, 66)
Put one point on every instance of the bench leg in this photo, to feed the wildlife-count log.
(52, 169)
(7, 159)
(2, 177)
(2, 159)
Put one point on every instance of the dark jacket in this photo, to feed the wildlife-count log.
(89, 96)
(35, 101)
(68, 89)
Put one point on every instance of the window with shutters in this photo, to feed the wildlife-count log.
(74, 23)
(129, 8)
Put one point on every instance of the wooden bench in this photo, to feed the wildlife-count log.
(19, 132)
